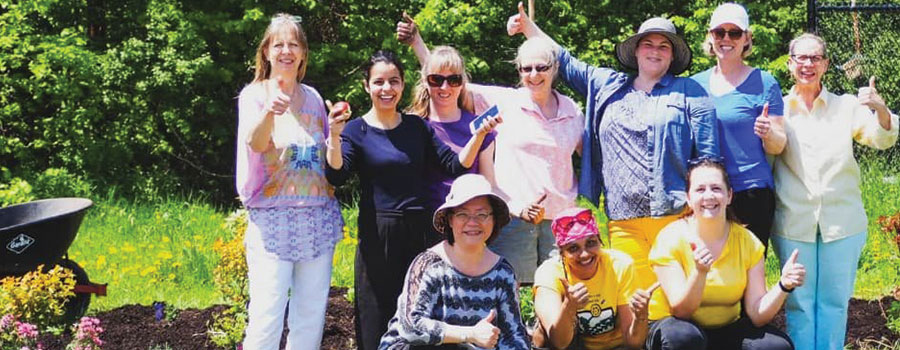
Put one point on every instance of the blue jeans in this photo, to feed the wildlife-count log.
(525, 246)
(817, 311)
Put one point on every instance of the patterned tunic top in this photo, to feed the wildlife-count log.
(436, 295)
(627, 155)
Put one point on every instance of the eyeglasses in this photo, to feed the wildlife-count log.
(538, 67)
(479, 218)
(437, 80)
(733, 34)
(693, 162)
(814, 59)
(584, 217)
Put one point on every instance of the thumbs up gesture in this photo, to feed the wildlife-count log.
(640, 302)
(576, 295)
(793, 273)
(518, 22)
(869, 96)
(406, 29)
(763, 123)
(534, 212)
(279, 102)
(484, 333)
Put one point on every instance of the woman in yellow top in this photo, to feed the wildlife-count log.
(708, 265)
(587, 297)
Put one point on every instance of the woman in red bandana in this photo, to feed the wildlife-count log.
(586, 297)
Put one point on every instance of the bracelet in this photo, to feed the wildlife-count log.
(328, 143)
(783, 288)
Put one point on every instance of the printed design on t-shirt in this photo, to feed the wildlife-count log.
(596, 320)
(297, 168)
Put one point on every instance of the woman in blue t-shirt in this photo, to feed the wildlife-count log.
(749, 109)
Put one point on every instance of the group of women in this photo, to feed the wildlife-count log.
(452, 220)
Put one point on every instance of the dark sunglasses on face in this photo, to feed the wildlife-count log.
(733, 34)
(437, 80)
(538, 67)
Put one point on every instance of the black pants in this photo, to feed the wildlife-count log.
(671, 333)
(388, 242)
(756, 209)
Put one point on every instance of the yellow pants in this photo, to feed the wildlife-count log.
(635, 237)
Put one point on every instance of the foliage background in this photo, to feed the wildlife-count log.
(139, 95)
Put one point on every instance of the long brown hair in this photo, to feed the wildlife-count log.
(281, 21)
(440, 58)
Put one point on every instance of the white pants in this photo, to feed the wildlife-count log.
(270, 281)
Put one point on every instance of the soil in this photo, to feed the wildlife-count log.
(134, 326)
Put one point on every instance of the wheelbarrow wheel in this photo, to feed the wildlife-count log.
(78, 304)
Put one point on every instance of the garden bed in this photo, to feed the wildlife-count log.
(135, 327)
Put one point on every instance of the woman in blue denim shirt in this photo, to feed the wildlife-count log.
(640, 130)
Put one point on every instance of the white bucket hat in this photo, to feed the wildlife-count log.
(463, 189)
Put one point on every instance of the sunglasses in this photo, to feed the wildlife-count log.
(437, 80)
(693, 162)
(733, 34)
(584, 217)
(538, 67)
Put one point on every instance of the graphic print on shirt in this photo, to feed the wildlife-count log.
(295, 161)
(596, 320)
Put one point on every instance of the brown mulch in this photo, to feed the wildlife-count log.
(133, 327)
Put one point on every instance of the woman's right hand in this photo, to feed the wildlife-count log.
(577, 295)
(484, 333)
(703, 258)
(279, 102)
(407, 29)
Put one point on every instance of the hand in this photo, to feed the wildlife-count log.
(489, 125)
(516, 23)
(763, 123)
(577, 295)
(280, 102)
(703, 258)
(484, 333)
(534, 212)
(337, 117)
(869, 96)
(407, 29)
(640, 302)
(793, 273)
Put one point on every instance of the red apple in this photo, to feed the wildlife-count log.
(341, 106)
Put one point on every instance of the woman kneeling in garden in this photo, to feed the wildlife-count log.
(458, 292)
(586, 298)
(709, 266)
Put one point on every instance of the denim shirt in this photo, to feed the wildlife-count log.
(682, 128)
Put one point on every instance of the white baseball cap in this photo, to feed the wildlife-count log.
(730, 13)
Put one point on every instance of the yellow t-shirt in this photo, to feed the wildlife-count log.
(611, 286)
(725, 281)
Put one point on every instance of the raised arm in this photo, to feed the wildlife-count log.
(685, 293)
(762, 305)
(408, 33)
(878, 130)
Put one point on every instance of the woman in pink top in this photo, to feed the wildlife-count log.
(294, 219)
(533, 168)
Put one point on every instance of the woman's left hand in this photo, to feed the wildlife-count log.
(640, 302)
(793, 273)
(338, 114)
(870, 97)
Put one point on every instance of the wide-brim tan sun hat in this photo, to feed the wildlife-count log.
(465, 188)
(681, 53)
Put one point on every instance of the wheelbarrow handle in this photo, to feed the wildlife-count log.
(92, 288)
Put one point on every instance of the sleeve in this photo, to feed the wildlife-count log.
(625, 276)
(867, 130)
(485, 96)
(754, 248)
(412, 323)
(773, 96)
(548, 274)
(664, 251)
(440, 153)
(349, 153)
(513, 335)
(702, 116)
(249, 107)
(581, 76)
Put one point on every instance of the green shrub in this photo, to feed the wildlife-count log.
(15, 192)
(37, 297)
(56, 182)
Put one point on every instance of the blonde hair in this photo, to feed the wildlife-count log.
(542, 48)
(708, 44)
(440, 58)
(281, 21)
(808, 36)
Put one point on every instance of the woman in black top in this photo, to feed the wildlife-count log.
(390, 152)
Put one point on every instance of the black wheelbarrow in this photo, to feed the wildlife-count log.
(40, 233)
